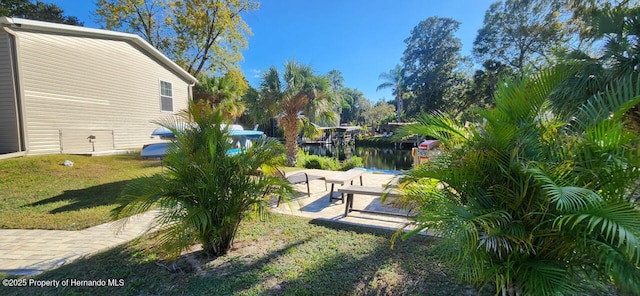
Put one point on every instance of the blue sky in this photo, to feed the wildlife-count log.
(359, 38)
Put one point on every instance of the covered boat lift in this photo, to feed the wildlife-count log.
(336, 135)
(241, 140)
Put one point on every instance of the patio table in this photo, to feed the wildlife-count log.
(343, 178)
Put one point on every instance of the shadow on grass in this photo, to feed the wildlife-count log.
(234, 275)
(410, 268)
(86, 198)
(336, 264)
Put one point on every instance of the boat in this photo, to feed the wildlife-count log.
(241, 140)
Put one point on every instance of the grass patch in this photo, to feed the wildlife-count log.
(39, 192)
(286, 255)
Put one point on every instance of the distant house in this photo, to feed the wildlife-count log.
(68, 89)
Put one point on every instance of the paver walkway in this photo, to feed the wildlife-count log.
(32, 251)
(29, 252)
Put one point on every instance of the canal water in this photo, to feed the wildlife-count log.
(374, 158)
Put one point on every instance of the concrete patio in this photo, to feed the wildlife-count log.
(318, 206)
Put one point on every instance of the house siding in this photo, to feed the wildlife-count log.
(77, 141)
(9, 132)
(85, 85)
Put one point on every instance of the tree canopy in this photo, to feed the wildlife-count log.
(354, 104)
(199, 35)
(520, 33)
(430, 62)
(613, 30)
(377, 113)
(223, 93)
(38, 10)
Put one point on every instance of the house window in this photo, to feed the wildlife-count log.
(166, 96)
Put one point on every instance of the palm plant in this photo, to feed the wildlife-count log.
(394, 81)
(299, 91)
(530, 201)
(203, 193)
(620, 26)
(617, 25)
(222, 93)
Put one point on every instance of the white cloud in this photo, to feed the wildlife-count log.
(255, 73)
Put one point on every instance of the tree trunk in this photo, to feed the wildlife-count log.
(399, 103)
(219, 244)
(290, 124)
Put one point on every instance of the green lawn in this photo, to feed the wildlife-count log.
(285, 255)
(39, 192)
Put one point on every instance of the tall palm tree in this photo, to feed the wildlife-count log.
(535, 202)
(203, 193)
(336, 82)
(394, 81)
(297, 91)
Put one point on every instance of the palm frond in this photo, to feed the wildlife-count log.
(439, 126)
(519, 196)
(174, 239)
(542, 277)
(610, 135)
(384, 85)
(501, 245)
(565, 198)
(203, 192)
(614, 102)
(138, 197)
(616, 261)
(617, 222)
(523, 101)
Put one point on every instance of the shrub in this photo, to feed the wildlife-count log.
(312, 163)
(327, 163)
(354, 161)
(203, 193)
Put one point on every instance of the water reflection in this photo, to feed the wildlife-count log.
(373, 157)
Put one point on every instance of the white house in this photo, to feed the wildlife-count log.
(69, 89)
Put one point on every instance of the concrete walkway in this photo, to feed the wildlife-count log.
(29, 252)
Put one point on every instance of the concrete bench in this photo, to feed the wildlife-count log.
(343, 178)
(391, 193)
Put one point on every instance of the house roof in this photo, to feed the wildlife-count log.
(97, 33)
